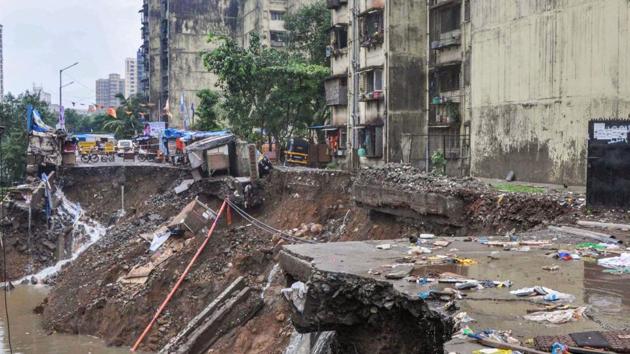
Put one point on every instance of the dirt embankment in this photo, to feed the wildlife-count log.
(88, 297)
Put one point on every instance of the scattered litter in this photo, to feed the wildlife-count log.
(492, 351)
(417, 250)
(463, 318)
(597, 246)
(465, 261)
(623, 261)
(441, 243)
(521, 249)
(546, 294)
(296, 294)
(470, 284)
(427, 236)
(494, 255)
(424, 295)
(158, 240)
(566, 256)
(552, 268)
(557, 317)
(385, 246)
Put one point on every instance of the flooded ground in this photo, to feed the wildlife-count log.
(28, 336)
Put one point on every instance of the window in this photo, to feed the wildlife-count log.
(278, 39)
(339, 37)
(372, 28)
(448, 78)
(450, 18)
(372, 82)
(277, 16)
(371, 139)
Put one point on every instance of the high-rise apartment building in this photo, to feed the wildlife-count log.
(1, 69)
(175, 34)
(131, 77)
(107, 89)
(43, 95)
(143, 82)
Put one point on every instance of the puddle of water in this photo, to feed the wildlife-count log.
(28, 336)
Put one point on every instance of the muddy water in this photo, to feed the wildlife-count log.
(28, 336)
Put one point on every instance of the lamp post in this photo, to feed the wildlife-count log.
(61, 86)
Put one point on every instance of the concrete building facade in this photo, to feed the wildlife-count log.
(131, 77)
(540, 70)
(1, 68)
(107, 89)
(266, 17)
(175, 34)
(379, 53)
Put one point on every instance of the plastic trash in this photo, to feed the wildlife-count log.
(158, 241)
(559, 348)
(385, 246)
(542, 293)
(424, 295)
(296, 294)
(557, 317)
(492, 351)
(427, 236)
(623, 261)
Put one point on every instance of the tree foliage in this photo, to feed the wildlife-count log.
(266, 91)
(207, 117)
(307, 30)
(127, 124)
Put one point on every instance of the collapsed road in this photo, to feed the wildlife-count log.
(237, 292)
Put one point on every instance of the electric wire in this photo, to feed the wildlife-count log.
(265, 227)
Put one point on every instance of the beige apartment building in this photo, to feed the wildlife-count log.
(497, 86)
(376, 88)
(175, 34)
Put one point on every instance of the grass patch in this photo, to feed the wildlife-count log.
(518, 188)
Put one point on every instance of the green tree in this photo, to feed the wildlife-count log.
(206, 113)
(15, 139)
(265, 90)
(307, 30)
(127, 124)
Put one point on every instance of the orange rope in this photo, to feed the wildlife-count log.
(179, 281)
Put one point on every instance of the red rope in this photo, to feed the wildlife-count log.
(179, 281)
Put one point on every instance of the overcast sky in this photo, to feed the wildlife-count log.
(42, 36)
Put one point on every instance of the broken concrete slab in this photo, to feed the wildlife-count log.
(182, 187)
(346, 295)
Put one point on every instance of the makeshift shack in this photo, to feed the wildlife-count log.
(45, 145)
(216, 153)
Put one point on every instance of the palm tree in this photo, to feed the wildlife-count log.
(127, 124)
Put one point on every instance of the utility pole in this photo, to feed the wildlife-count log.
(61, 86)
(354, 117)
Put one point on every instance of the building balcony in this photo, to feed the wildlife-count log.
(448, 39)
(336, 88)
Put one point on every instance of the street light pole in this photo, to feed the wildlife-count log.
(61, 86)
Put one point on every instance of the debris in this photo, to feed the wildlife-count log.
(385, 246)
(441, 243)
(417, 250)
(566, 256)
(400, 271)
(557, 317)
(465, 261)
(585, 233)
(159, 239)
(462, 318)
(470, 284)
(604, 225)
(182, 187)
(546, 294)
(427, 236)
(623, 261)
(296, 294)
(510, 176)
(552, 268)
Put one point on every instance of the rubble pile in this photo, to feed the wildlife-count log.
(469, 204)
